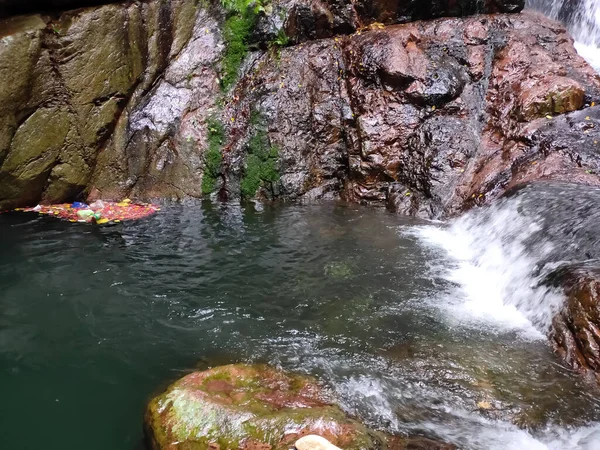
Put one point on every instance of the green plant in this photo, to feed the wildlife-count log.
(282, 39)
(241, 19)
(261, 162)
(213, 158)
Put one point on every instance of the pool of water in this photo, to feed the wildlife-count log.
(94, 321)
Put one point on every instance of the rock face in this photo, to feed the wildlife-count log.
(65, 85)
(304, 20)
(431, 117)
(256, 407)
(428, 117)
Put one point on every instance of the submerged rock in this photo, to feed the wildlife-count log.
(257, 407)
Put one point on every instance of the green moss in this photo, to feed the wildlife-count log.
(213, 158)
(241, 19)
(261, 162)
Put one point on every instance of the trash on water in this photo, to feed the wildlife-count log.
(99, 212)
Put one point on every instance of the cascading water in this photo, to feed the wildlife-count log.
(582, 17)
(504, 258)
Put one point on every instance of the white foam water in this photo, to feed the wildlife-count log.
(464, 428)
(584, 25)
(494, 271)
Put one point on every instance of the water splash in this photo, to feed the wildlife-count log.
(583, 21)
(495, 268)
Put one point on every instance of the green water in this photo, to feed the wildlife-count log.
(94, 321)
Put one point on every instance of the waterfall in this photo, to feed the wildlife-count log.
(505, 254)
(582, 18)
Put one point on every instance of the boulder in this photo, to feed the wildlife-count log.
(257, 407)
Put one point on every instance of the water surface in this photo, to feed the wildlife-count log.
(94, 321)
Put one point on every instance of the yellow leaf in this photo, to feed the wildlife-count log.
(548, 116)
(484, 404)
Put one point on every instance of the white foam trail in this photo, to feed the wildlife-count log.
(494, 270)
(466, 429)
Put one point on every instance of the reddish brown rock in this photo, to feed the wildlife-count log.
(306, 20)
(429, 117)
(576, 329)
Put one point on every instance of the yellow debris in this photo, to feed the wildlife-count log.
(587, 118)
(484, 404)
(102, 221)
(548, 116)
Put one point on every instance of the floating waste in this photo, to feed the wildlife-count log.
(99, 212)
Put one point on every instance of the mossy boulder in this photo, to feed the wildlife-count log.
(249, 407)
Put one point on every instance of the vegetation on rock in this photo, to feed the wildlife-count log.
(261, 161)
(241, 19)
(213, 157)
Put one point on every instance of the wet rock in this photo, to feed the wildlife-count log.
(67, 84)
(258, 407)
(306, 20)
(454, 111)
(240, 406)
(576, 329)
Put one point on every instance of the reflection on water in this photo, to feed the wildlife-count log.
(94, 321)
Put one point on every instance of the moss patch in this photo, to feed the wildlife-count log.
(261, 161)
(241, 19)
(213, 157)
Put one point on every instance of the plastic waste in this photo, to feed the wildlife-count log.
(102, 221)
(124, 202)
(77, 205)
(98, 204)
(37, 208)
(85, 214)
